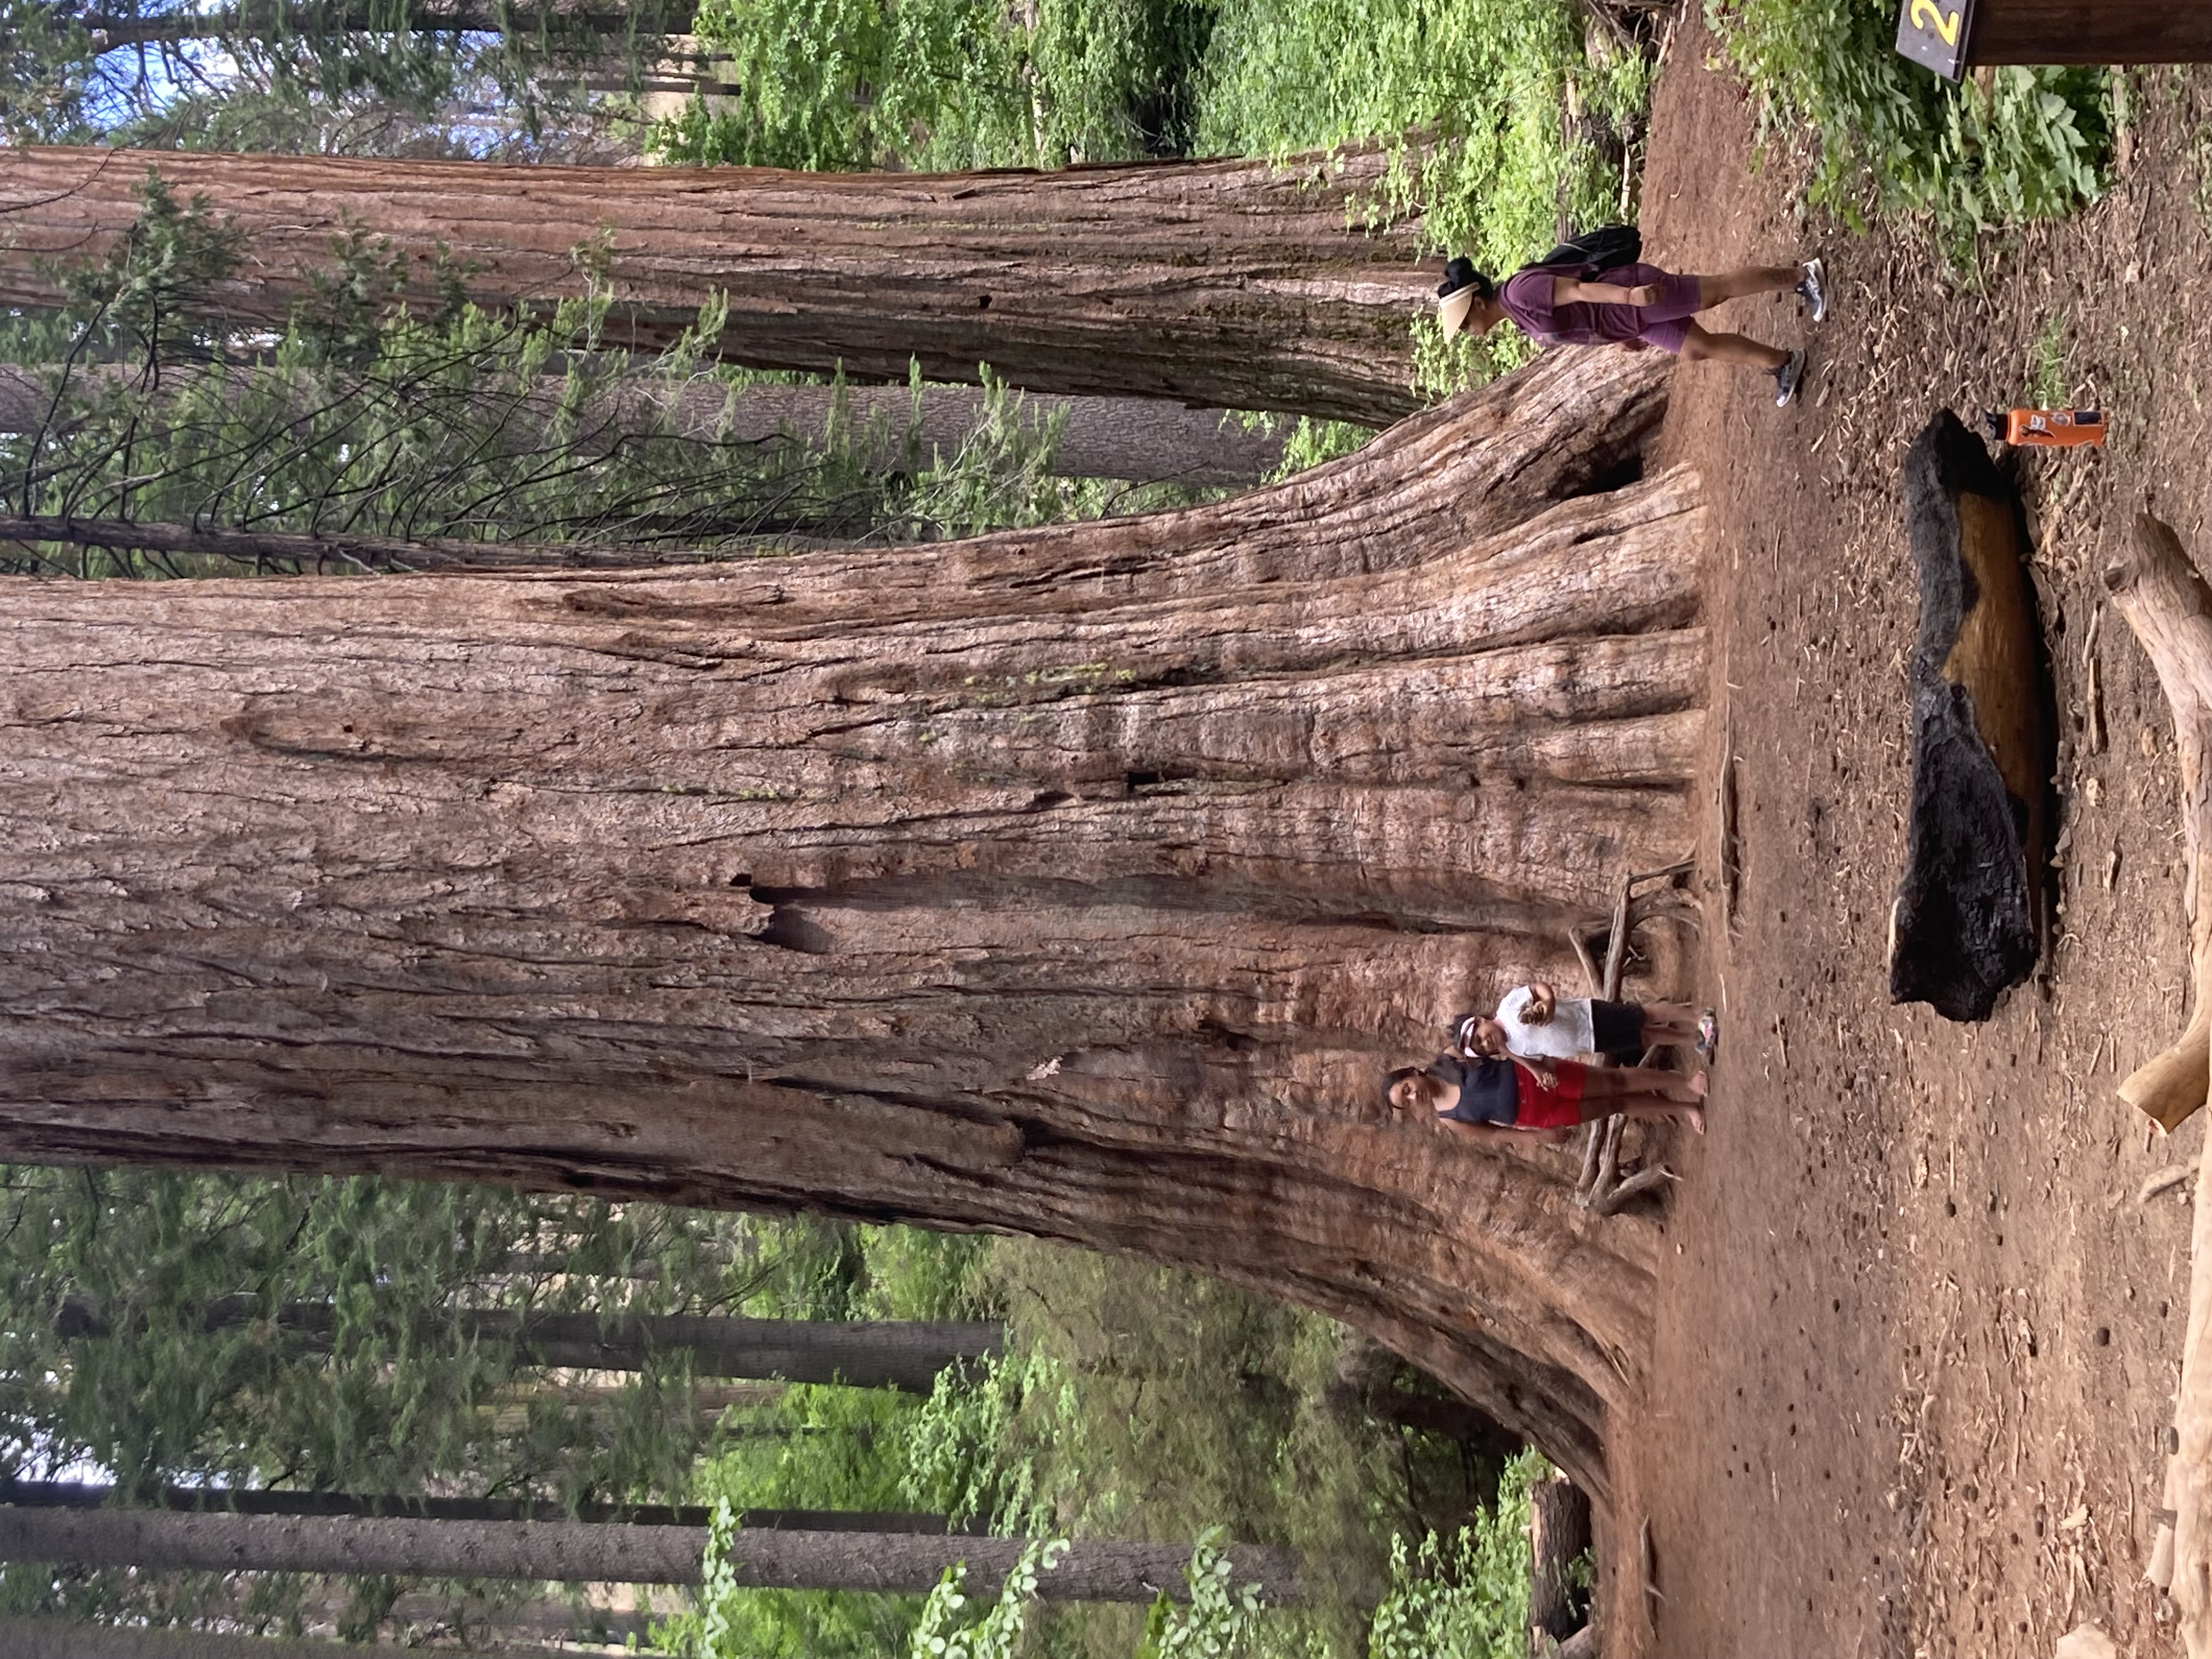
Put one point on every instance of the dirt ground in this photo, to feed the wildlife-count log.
(1918, 1337)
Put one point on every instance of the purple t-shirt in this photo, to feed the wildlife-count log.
(1526, 299)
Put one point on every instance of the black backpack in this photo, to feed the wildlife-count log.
(1606, 248)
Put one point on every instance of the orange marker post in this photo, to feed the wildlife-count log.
(2046, 429)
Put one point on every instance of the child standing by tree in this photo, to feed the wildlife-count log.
(1633, 306)
(1535, 1021)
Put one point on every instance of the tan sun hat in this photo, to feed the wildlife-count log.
(1455, 296)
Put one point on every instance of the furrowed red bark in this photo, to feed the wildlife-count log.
(574, 1551)
(1080, 881)
(1227, 284)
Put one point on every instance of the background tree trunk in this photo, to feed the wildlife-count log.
(1080, 881)
(284, 19)
(1141, 440)
(161, 1541)
(74, 1639)
(878, 1354)
(261, 1500)
(1228, 284)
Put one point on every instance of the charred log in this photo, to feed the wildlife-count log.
(1964, 926)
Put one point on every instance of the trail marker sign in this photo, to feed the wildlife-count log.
(1933, 33)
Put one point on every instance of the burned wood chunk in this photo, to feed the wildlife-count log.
(1964, 927)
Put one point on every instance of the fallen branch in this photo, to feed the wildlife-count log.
(2169, 607)
(1599, 1189)
(2156, 589)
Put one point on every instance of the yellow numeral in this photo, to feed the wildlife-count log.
(1927, 14)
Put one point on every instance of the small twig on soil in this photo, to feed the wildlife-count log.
(2165, 1181)
(1653, 1596)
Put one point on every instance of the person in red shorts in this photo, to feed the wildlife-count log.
(1490, 1095)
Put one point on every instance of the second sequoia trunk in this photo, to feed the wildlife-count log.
(1227, 284)
(1080, 881)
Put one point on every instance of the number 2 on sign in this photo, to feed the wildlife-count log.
(1927, 14)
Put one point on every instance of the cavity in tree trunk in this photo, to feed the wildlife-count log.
(573, 1552)
(878, 1354)
(1079, 882)
(1228, 284)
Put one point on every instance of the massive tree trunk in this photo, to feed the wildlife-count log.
(1141, 440)
(867, 1353)
(1228, 284)
(575, 1551)
(1079, 882)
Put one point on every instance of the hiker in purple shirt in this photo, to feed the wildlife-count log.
(1633, 306)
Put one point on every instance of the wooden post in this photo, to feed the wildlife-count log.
(2089, 31)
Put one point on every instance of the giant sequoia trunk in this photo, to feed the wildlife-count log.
(1079, 882)
(1231, 284)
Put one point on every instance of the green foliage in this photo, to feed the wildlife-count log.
(938, 1633)
(936, 84)
(450, 421)
(844, 84)
(1519, 125)
(1465, 1596)
(1219, 1619)
(2050, 386)
(1891, 137)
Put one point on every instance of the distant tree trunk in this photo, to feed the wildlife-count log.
(1225, 284)
(278, 19)
(162, 1540)
(1079, 882)
(1141, 440)
(74, 1639)
(880, 1353)
(232, 1500)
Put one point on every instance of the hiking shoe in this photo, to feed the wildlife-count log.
(1787, 379)
(1709, 1034)
(1812, 288)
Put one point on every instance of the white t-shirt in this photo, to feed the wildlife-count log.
(1567, 1034)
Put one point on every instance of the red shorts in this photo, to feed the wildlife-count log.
(1559, 1107)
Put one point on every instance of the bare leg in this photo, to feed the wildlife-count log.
(1612, 1089)
(1700, 346)
(1743, 284)
(1668, 1022)
(1597, 1111)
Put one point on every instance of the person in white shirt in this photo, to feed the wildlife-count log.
(1533, 1021)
